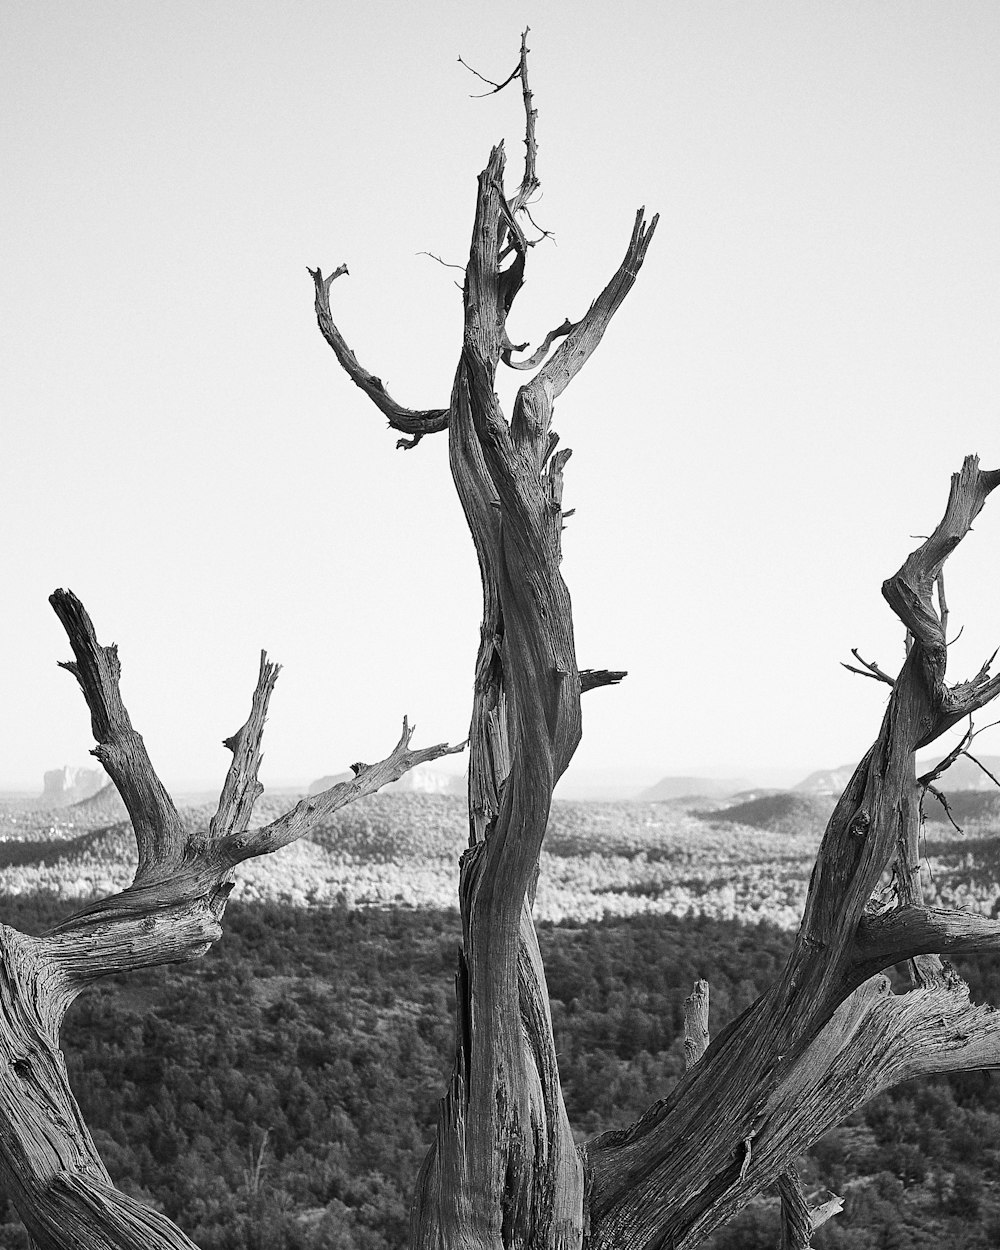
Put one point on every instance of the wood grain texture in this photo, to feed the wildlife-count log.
(172, 911)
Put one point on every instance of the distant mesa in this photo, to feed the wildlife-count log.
(962, 775)
(419, 780)
(105, 805)
(691, 788)
(67, 785)
(826, 781)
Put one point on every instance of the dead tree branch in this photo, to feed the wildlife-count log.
(827, 1034)
(49, 1166)
(869, 669)
(677, 1173)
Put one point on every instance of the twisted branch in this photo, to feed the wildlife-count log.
(417, 422)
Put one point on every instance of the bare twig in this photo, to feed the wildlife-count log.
(942, 799)
(308, 812)
(871, 669)
(542, 233)
(529, 182)
(447, 264)
(949, 759)
(497, 86)
(980, 764)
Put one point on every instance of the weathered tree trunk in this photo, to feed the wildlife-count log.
(172, 911)
(830, 1033)
(503, 1170)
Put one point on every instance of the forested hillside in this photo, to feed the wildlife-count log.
(280, 1092)
(749, 861)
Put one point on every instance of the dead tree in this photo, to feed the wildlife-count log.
(503, 1170)
(172, 911)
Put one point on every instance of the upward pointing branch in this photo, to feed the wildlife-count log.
(241, 788)
(120, 748)
(575, 350)
(530, 182)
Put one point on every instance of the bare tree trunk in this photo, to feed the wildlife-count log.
(830, 1033)
(503, 1170)
(172, 911)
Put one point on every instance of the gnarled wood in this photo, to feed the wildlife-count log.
(172, 911)
(503, 1172)
(828, 1034)
(417, 422)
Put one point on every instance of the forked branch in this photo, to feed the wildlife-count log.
(572, 354)
(877, 817)
(178, 870)
(869, 669)
(309, 812)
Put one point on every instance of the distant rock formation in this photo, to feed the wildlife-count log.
(962, 775)
(419, 780)
(691, 787)
(425, 780)
(67, 785)
(826, 781)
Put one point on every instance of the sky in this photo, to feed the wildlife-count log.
(807, 355)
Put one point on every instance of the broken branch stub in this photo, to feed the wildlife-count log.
(120, 748)
(696, 1033)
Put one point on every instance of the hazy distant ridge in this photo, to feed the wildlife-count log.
(419, 780)
(962, 775)
(692, 787)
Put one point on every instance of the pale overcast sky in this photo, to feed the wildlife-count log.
(807, 355)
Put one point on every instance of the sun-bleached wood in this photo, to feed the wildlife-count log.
(172, 911)
(829, 1033)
